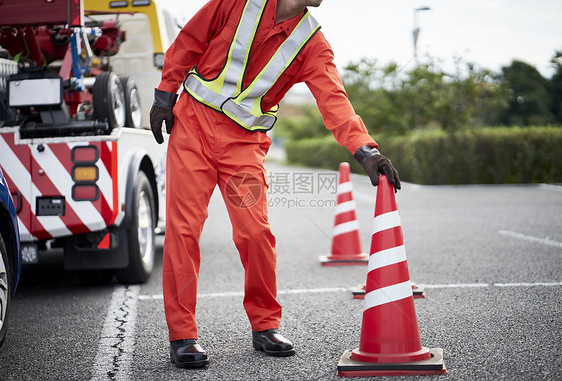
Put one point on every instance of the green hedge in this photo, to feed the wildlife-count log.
(480, 156)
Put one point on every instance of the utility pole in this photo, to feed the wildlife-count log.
(416, 31)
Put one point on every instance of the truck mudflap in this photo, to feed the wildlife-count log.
(105, 249)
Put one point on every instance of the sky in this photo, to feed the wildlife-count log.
(488, 33)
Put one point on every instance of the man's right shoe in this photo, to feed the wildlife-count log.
(272, 343)
(188, 354)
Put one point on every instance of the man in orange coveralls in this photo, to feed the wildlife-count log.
(236, 61)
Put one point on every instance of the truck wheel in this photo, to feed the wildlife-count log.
(133, 111)
(108, 99)
(5, 291)
(140, 235)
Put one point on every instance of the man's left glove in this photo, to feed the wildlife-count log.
(376, 164)
(161, 111)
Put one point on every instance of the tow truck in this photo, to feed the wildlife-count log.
(85, 173)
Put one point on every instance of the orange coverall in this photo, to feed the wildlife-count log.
(206, 148)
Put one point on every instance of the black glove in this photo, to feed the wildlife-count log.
(162, 111)
(376, 164)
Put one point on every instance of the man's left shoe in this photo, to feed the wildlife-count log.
(188, 354)
(272, 343)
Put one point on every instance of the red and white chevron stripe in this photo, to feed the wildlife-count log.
(47, 171)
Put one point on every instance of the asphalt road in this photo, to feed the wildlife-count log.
(490, 258)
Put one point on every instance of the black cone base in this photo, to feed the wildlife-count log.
(348, 367)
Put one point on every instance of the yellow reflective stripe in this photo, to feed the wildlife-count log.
(252, 96)
(225, 93)
(239, 51)
(230, 79)
(249, 46)
(250, 122)
(278, 64)
(198, 91)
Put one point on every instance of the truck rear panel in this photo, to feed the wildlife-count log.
(40, 12)
(61, 188)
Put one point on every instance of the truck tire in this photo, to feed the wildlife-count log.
(5, 291)
(108, 100)
(140, 234)
(133, 111)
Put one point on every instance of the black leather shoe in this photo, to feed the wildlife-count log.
(272, 343)
(188, 354)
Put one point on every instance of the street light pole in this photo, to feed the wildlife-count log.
(417, 30)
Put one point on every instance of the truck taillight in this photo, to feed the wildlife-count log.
(85, 173)
(85, 154)
(85, 192)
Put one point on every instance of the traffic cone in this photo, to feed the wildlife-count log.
(346, 244)
(390, 341)
(417, 292)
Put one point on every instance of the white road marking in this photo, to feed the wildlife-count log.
(544, 241)
(311, 290)
(115, 348)
(241, 293)
(455, 285)
(539, 284)
(349, 289)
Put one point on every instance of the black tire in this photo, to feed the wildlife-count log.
(5, 291)
(109, 100)
(133, 111)
(140, 235)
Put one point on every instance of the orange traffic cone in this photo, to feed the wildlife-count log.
(346, 244)
(390, 341)
(417, 292)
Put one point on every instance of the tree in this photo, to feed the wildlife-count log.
(394, 101)
(530, 101)
(372, 91)
(556, 87)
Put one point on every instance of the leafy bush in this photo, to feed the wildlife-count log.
(477, 156)
(321, 152)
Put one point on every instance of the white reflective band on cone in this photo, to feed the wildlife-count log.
(388, 294)
(386, 221)
(387, 257)
(346, 227)
(345, 187)
(344, 207)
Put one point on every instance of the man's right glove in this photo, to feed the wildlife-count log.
(161, 111)
(376, 164)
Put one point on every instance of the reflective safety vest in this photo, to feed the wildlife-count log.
(225, 94)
